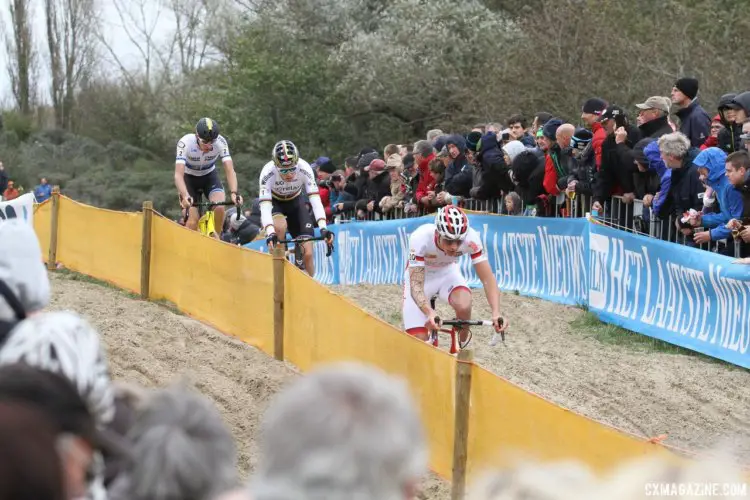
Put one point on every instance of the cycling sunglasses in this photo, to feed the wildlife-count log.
(287, 171)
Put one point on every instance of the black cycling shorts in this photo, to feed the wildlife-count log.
(299, 220)
(203, 185)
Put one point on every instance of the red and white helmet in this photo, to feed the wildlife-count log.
(452, 223)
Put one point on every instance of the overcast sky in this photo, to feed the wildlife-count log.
(116, 37)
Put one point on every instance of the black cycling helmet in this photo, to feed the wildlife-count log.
(207, 130)
(285, 154)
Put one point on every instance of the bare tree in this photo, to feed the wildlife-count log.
(21, 55)
(139, 21)
(192, 38)
(70, 41)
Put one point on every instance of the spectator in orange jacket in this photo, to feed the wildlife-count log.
(590, 113)
(11, 193)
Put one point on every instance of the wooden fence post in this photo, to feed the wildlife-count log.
(53, 228)
(148, 211)
(279, 256)
(461, 424)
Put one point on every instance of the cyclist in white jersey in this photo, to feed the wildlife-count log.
(195, 173)
(432, 269)
(286, 183)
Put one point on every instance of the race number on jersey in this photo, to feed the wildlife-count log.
(196, 161)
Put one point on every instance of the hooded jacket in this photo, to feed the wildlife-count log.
(528, 172)
(695, 123)
(459, 174)
(425, 177)
(491, 173)
(729, 137)
(729, 198)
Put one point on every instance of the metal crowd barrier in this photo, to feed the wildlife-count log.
(634, 217)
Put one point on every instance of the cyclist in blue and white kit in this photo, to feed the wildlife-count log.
(195, 173)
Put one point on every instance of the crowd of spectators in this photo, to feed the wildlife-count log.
(679, 177)
(344, 431)
(9, 191)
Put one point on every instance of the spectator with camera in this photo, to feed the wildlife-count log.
(323, 168)
(377, 187)
(615, 176)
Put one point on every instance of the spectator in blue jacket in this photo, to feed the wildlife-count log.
(711, 167)
(655, 163)
(43, 191)
(695, 122)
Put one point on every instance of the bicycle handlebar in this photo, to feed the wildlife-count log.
(465, 322)
(298, 239)
(215, 204)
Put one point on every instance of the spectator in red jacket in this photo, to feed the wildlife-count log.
(424, 153)
(590, 113)
(552, 160)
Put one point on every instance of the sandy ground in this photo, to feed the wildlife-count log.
(698, 403)
(152, 346)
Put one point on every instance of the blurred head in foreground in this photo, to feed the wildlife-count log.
(344, 431)
(180, 447)
(30, 467)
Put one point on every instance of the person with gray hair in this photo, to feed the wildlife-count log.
(685, 186)
(181, 448)
(433, 134)
(342, 432)
(24, 284)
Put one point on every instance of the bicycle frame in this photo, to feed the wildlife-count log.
(207, 226)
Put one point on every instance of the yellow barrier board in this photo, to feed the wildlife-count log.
(43, 225)
(226, 286)
(507, 422)
(322, 327)
(101, 243)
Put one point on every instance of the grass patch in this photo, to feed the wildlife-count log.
(84, 278)
(589, 325)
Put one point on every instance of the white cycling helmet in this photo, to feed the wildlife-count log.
(452, 223)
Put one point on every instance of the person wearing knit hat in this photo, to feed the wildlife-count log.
(581, 138)
(713, 140)
(549, 130)
(695, 122)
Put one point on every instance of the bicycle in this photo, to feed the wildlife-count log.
(458, 324)
(206, 223)
(299, 250)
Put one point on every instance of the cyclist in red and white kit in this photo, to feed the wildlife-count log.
(432, 269)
